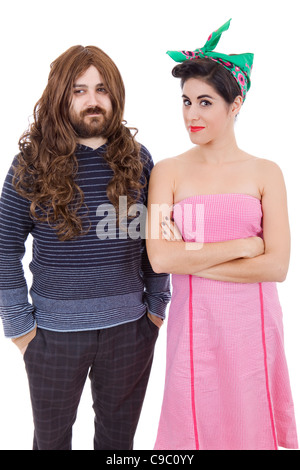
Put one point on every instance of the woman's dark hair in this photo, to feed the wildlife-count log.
(212, 73)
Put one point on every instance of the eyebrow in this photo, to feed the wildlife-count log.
(77, 85)
(199, 97)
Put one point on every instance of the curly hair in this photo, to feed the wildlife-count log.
(47, 166)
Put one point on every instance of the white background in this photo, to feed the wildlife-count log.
(136, 34)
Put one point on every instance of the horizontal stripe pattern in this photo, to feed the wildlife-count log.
(87, 269)
(88, 320)
(19, 319)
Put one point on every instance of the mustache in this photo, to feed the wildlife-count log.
(93, 110)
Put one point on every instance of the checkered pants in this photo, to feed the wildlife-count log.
(118, 361)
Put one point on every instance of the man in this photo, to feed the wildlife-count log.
(96, 303)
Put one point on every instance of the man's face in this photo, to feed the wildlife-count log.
(91, 107)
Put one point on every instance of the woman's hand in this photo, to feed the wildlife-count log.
(255, 246)
(170, 231)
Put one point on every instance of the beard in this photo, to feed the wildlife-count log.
(95, 126)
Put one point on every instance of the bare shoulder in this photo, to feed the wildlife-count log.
(269, 176)
(263, 168)
(166, 168)
(268, 172)
(164, 165)
(162, 180)
(175, 163)
(266, 166)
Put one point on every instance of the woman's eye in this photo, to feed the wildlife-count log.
(205, 103)
(186, 102)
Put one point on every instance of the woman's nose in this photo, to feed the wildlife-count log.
(194, 113)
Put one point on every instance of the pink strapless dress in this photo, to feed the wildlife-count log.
(227, 384)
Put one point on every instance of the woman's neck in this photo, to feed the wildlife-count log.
(218, 152)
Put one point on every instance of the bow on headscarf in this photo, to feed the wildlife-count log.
(240, 65)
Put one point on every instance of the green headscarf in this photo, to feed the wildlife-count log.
(240, 65)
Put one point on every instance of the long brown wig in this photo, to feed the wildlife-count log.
(47, 165)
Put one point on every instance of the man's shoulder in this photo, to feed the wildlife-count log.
(145, 153)
(147, 160)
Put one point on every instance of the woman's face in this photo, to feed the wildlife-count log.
(207, 116)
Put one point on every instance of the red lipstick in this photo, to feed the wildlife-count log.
(196, 129)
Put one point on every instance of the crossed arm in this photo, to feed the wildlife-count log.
(245, 260)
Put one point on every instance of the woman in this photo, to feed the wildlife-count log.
(227, 384)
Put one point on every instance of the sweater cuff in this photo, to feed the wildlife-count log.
(157, 303)
(16, 312)
(18, 321)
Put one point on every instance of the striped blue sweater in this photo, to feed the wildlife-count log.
(92, 282)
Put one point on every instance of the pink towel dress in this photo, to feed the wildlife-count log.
(227, 384)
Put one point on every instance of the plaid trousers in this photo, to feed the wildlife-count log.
(118, 361)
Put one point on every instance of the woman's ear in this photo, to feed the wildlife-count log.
(236, 105)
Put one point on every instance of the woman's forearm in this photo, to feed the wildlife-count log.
(181, 257)
(264, 268)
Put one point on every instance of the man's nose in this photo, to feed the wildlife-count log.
(92, 99)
